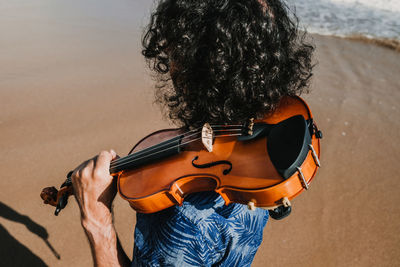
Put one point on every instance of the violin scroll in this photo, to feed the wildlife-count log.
(58, 198)
(49, 196)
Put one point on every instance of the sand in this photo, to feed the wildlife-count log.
(350, 216)
(71, 89)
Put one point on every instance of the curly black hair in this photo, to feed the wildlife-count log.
(228, 60)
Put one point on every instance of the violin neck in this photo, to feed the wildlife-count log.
(151, 154)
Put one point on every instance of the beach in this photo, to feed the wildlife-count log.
(67, 94)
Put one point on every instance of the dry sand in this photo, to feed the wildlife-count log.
(67, 94)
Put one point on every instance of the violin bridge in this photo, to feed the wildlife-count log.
(207, 137)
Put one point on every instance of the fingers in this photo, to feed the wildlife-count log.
(93, 185)
(100, 164)
(104, 159)
(113, 153)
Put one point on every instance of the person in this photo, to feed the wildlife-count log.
(216, 61)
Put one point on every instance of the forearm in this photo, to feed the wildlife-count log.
(95, 190)
(105, 246)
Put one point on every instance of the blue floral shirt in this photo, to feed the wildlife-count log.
(201, 232)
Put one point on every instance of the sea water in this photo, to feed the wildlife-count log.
(369, 18)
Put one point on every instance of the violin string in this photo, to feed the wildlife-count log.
(228, 125)
(149, 149)
(119, 162)
(135, 157)
(157, 152)
(186, 134)
(214, 126)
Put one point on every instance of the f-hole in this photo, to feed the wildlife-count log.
(212, 164)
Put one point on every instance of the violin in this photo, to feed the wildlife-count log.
(261, 163)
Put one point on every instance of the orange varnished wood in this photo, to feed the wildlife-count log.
(160, 185)
(253, 177)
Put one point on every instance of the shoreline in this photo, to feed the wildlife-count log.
(388, 43)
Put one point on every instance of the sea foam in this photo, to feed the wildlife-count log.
(378, 19)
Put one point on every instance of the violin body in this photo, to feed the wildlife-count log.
(252, 178)
(265, 166)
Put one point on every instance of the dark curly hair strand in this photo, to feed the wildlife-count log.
(228, 60)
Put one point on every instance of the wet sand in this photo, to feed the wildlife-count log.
(74, 85)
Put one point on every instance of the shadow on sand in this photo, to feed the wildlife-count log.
(12, 252)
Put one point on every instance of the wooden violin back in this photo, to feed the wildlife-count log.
(244, 170)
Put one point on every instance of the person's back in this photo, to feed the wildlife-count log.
(217, 62)
(228, 61)
(201, 232)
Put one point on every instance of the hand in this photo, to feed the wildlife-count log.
(95, 189)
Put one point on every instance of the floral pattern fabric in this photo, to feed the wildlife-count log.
(201, 232)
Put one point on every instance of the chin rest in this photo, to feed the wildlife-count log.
(288, 145)
(287, 142)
